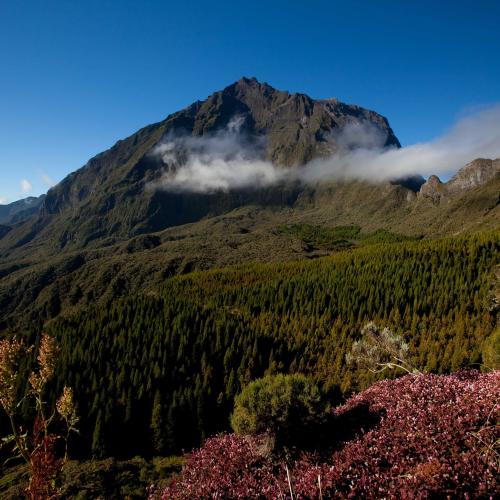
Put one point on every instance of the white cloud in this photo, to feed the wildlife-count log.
(231, 160)
(222, 175)
(26, 186)
(472, 137)
(4, 200)
(224, 161)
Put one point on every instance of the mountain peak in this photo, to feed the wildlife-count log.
(252, 81)
(247, 86)
(248, 81)
(297, 128)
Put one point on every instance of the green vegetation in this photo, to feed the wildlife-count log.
(109, 478)
(384, 236)
(491, 351)
(340, 237)
(286, 407)
(208, 334)
(337, 238)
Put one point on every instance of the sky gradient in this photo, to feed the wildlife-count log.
(78, 76)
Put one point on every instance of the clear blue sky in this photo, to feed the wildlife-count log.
(76, 76)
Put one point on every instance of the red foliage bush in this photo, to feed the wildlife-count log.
(432, 436)
(436, 435)
(228, 466)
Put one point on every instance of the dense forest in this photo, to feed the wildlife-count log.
(155, 374)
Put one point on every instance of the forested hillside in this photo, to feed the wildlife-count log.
(155, 373)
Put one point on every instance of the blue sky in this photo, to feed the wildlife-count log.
(77, 76)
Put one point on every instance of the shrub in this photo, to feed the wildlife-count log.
(434, 436)
(228, 466)
(380, 349)
(286, 407)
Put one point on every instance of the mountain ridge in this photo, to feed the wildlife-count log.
(472, 175)
(20, 210)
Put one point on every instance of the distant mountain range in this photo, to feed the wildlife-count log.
(20, 210)
(107, 229)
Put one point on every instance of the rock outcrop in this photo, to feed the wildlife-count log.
(474, 174)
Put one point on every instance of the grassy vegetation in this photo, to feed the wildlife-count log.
(340, 237)
(337, 238)
(96, 479)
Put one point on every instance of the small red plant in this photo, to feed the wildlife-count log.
(44, 466)
(39, 451)
(229, 466)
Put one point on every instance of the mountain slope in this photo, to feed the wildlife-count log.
(109, 197)
(103, 232)
(32, 290)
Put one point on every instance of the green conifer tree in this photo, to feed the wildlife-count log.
(98, 444)
(157, 424)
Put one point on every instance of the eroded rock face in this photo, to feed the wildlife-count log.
(433, 188)
(474, 174)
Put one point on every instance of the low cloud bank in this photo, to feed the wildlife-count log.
(232, 160)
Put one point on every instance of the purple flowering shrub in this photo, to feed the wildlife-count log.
(432, 435)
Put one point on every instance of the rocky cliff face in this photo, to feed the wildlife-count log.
(297, 128)
(433, 188)
(474, 174)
